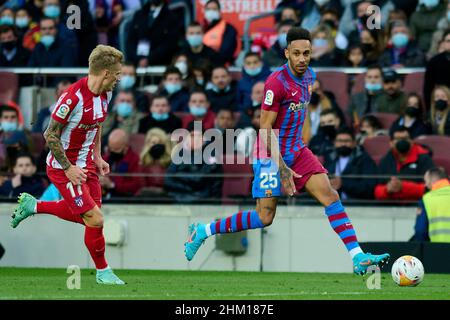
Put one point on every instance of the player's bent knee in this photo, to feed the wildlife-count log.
(267, 215)
(94, 218)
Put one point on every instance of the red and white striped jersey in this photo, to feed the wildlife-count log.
(82, 112)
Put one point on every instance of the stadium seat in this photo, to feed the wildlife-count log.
(442, 162)
(358, 84)
(337, 83)
(414, 82)
(386, 119)
(438, 144)
(137, 142)
(9, 87)
(377, 147)
(238, 183)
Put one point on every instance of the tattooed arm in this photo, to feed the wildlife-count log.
(52, 136)
(269, 138)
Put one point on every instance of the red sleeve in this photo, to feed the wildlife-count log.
(64, 106)
(273, 95)
(381, 192)
(410, 191)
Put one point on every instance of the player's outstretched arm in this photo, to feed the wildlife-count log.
(53, 138)
(270, 139)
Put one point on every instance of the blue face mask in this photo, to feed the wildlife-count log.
(52, 11)
(6, 21)
(448, 15)
(124, 109)
(8, 126)
(400, 40)
(197, 111)
(430, 3)
(160, 116)
(194, 40)
(22, 22)
(320, 43)
(282, 40)
(373, 86)
(253, 71)
(171, 88)
(126, 82)
(47, 40)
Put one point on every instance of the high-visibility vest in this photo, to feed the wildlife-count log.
(437, 205)
(213, 37)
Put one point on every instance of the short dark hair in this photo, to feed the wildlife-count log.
(6, 29)
(297, 33)
(373, 121)
(329, 111)
(48, 18)
(171, 70)
(196, 90)
(219, 67)
(346, 130)
(225, 110)
(252, 54)
(215, 1)
(375, 66)
(437, 172)
(194, 24)
(288, 22)
(24, 155)
(398, 129)
(6, 108)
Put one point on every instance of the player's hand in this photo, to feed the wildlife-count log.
(287, 179)
(102, 165)
(76, 175)
(336, 183)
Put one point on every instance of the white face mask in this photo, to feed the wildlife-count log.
(320, 3)
(182, 66)
(212, 15)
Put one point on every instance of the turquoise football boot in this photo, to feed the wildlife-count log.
(107, 276)
(25, 208)
(197, 235)
(362, 261)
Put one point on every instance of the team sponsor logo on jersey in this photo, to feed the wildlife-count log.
(299, 106)
(269, 98)
(79, 201)
(63, 111)
(88, 126)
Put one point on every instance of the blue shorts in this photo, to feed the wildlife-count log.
(266, 182)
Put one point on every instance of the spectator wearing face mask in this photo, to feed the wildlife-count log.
(190, 181)
(12, 53)
(404, 158)
(182, 63)
(314, 10)
(348, 158)
(122, 160)
(160, 117)
(254, 71)
(324, 52)
(439, 115)
(23, 23)
(372, 44)
(24, 178)
(365, 102)
(392, 98)
(154, 160)
(424, 20)
(437, 70)
(172, 88)
(275, 56)
(412, 117)
(322, 143)
(223, 91)
(255, 104)
(401, 51)
(196, 50)
(123, 116)
(128, 81)
(199, 110)
(331, 18)
(219, 35)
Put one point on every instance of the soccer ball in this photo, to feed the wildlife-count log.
(407, 271)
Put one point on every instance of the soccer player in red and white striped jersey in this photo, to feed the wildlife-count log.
(73, 137)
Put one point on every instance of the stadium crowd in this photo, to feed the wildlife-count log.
(384, 129)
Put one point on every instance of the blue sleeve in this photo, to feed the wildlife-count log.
(421, 227)
(313, 75)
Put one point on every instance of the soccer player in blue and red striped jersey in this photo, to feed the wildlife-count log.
(281, 158)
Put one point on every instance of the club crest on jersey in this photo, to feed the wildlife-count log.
(63, 110)
(79, 201)
(299, 106)
(268, 193)
(269, 98)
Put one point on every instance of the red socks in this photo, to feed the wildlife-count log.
(59, 209)
(95, 242)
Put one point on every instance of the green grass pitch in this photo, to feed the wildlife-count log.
(28, 283)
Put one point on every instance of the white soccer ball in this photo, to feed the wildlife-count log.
(407, 271)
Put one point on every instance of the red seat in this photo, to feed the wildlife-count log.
(438, 144)
(443, 162)
(377, 147)
(337, 83)
(137, 142)
(238, 177)
(414, 82)
(358, 84)
(386, 119)
(9, 86)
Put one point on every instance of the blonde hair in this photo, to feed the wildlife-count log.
(440, 129)
(146, 158)
(103, 57)
(323, 28)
